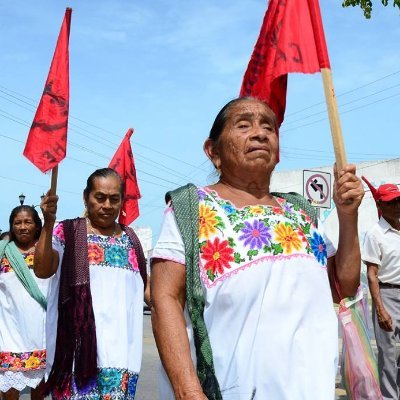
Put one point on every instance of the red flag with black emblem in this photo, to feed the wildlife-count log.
(47, 138)
(291, 40)
(124, 164)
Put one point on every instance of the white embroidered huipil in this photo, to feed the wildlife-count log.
(268, 305)
(22, 329)
(117, 296)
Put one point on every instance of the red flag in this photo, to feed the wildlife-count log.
(373, 191)
(47, 139)
(124, 164)
(291, 40)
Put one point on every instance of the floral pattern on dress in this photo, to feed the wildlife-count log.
(27, 361)
(105, 251)
(255, 235)
(95, 253)
(318, 247)
(5, 265)
(217, 256)
(110, 384)
(207, 221)
(236, 238)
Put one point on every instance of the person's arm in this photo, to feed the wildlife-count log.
(169, 328)
(346, 264)
(384, 318)
(147, 292)
(46, 258)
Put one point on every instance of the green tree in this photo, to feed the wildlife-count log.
(366, 5)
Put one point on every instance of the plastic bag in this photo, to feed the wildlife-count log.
(360, 371)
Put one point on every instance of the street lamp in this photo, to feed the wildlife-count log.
(42, 197)
(22, 198)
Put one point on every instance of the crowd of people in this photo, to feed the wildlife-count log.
(243, 284)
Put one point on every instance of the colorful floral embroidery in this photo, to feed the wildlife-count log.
(95, 253)
(111, 383)
(256, 235)
(217, 256)
(257, 210)
(29, 260)
(207, 221)
(59, 232)
(132, 258)
(236, 238)
(105, 251)
(116, 256)
(287, 237)
(27, 361)
(5, 265)
(318, 247)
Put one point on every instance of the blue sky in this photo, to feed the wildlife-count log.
(165, 68)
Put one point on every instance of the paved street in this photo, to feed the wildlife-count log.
(147, 385)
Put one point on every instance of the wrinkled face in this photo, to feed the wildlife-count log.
(390, 209)
(249, 141)
(24, 228)
(104, 201)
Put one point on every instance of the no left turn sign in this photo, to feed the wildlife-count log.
(317, 188)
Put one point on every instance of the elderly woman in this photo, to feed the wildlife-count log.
(242, 302)
(96, 299)
(22, 308)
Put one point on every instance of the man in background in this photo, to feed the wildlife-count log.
(381, 254)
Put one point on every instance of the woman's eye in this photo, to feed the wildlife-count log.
(268, 127)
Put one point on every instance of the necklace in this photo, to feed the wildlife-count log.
(89, 225)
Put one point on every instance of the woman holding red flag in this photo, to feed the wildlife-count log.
(242, 301)
(96, 299)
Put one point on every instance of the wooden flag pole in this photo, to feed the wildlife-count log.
(54, 175)
(336, 129)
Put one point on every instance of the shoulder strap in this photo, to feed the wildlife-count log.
(299, 202)
(139, 252)
(185, 203)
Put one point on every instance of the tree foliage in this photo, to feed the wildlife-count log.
(366, 5)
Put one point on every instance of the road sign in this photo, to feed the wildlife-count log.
(317, 188)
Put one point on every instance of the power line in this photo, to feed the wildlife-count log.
(345, 93)
(98, 154)
(33, 104)
(343, 104)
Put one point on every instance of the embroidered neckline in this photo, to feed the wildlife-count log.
(212, 192)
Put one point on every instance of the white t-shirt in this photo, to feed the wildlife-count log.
(269, 310)
(382, 247)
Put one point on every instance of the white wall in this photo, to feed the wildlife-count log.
(377, 172)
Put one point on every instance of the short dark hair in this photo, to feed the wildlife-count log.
(5, 235)
(222, 117)
(102, 173)
(35, 217)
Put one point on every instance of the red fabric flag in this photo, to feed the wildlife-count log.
(373, 191)
(47, 139)
(291, 40)
(124, 164)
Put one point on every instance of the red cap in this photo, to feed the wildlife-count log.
(387, 192)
